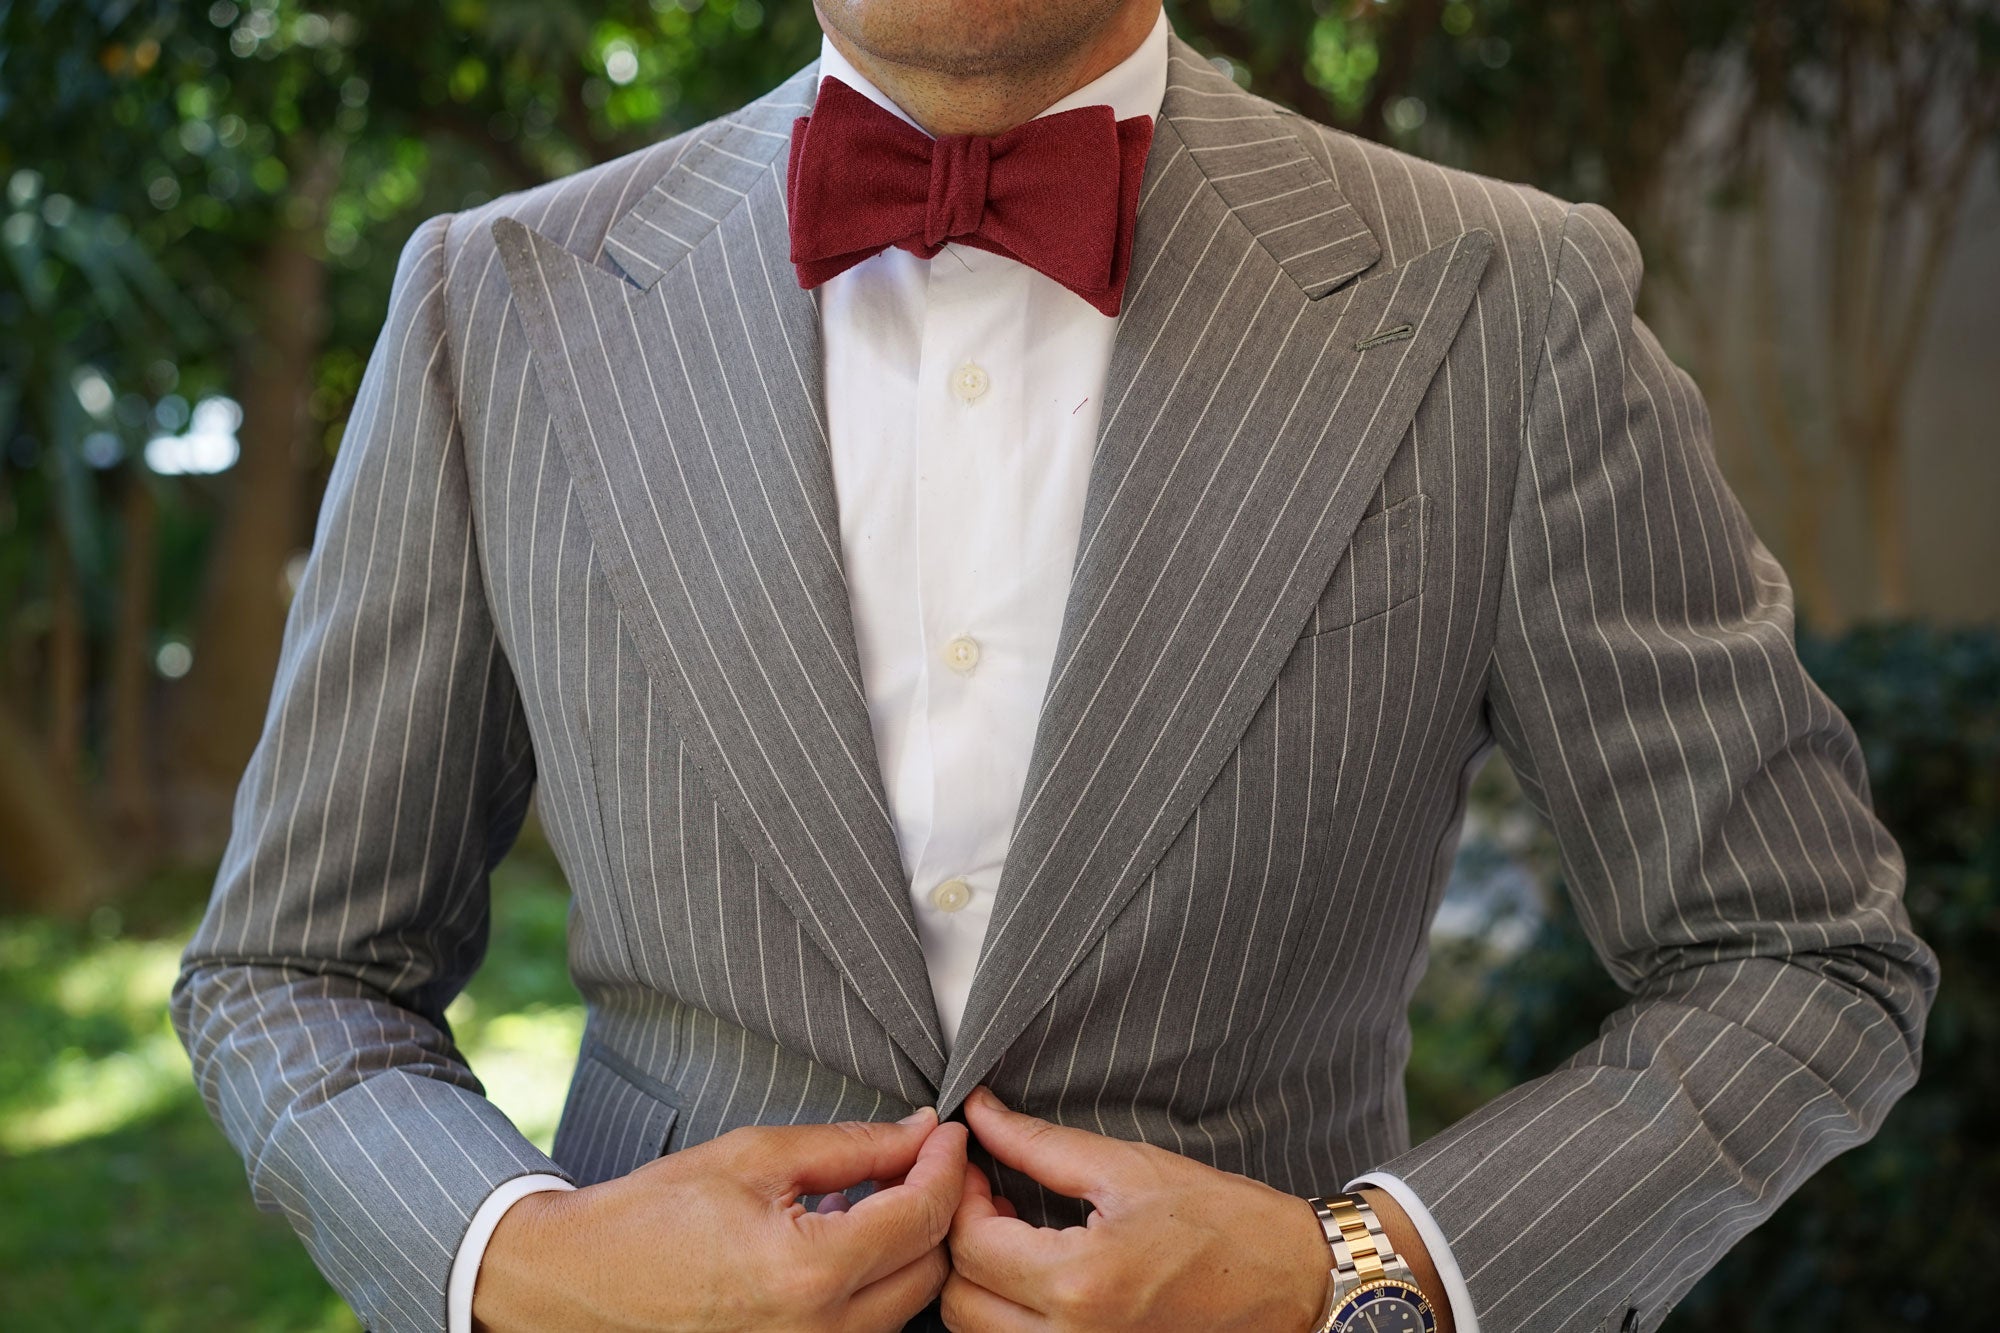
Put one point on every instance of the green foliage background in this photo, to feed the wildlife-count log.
(158, 160)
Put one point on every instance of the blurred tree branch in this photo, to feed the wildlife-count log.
(1410, 25)
(450, 121)
(1284, 81)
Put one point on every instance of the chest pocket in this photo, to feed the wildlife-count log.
(1382, 568)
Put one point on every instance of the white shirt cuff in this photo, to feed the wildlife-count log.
(1442, 1259)
(465, 1266)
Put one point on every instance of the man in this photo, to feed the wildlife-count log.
(1003, 557)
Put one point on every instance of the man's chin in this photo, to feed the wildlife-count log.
(967, 39)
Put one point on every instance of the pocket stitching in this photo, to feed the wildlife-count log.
(621, 1071)
(1421, 539)
(631, 1073)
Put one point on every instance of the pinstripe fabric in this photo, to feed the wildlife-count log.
(583, 531)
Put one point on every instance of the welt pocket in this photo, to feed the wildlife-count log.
(615, 1121)
(1382, 567)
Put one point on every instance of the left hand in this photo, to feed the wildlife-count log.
(1172, 1244)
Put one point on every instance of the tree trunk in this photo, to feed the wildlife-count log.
(1886, 504)
(127, 768)
(47, 857)
(1805, 486)
(1805, 537)
(220, 711)
(67, 663)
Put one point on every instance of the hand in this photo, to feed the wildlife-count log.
(1172, 1244)
(714, 1237)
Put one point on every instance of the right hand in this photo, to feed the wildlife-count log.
(714, 1237)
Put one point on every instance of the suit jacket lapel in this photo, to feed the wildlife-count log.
(687, 398)
(1246, 427)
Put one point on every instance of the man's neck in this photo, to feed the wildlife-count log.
(991, 102)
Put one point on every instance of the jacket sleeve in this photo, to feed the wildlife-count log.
(351, 905)
(1717, 838)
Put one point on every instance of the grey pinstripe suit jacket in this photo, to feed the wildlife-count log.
(1388, 471)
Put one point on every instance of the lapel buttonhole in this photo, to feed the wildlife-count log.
(1396, 334)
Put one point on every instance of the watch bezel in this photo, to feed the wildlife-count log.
(1351, 1303)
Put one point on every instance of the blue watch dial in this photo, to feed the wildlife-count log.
(1386, 1305)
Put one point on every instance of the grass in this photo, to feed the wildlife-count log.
(121, 1205)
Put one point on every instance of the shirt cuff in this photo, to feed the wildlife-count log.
(465, 1266)
(1442, 1259)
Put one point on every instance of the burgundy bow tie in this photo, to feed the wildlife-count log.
(1060, 193)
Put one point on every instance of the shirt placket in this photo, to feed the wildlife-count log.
(968, 427)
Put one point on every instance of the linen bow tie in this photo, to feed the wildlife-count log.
(1059, 193)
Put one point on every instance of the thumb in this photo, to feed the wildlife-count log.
(818, 1159)
(1069, 1161)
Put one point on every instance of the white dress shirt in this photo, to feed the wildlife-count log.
(962, 403)
(962, 397)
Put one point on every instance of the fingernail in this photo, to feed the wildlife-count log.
(917, 1117)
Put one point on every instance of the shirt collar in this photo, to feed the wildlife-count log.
(1135, 86)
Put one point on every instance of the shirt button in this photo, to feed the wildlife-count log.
(951, 896)
(969, 381)
(962, 653)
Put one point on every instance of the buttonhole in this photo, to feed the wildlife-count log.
(1396, 334)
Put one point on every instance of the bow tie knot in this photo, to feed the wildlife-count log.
(960, 164)
(1059, 193)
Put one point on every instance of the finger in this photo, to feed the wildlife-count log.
(975, 1200)
(835, 1202)
(893, 1301)
(815, 1159)
(892, 1226)
(1009, 1257)
(977, 1182)
(1074, 1162)
(977, 1187)
(968, 1307)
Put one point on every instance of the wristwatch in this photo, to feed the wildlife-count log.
(1371, 1289)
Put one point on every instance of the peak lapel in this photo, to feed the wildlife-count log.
(688, 403)
(708, 182)
(1244, 433)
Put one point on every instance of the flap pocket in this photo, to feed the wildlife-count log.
(615, 1121)
(1382, 567)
